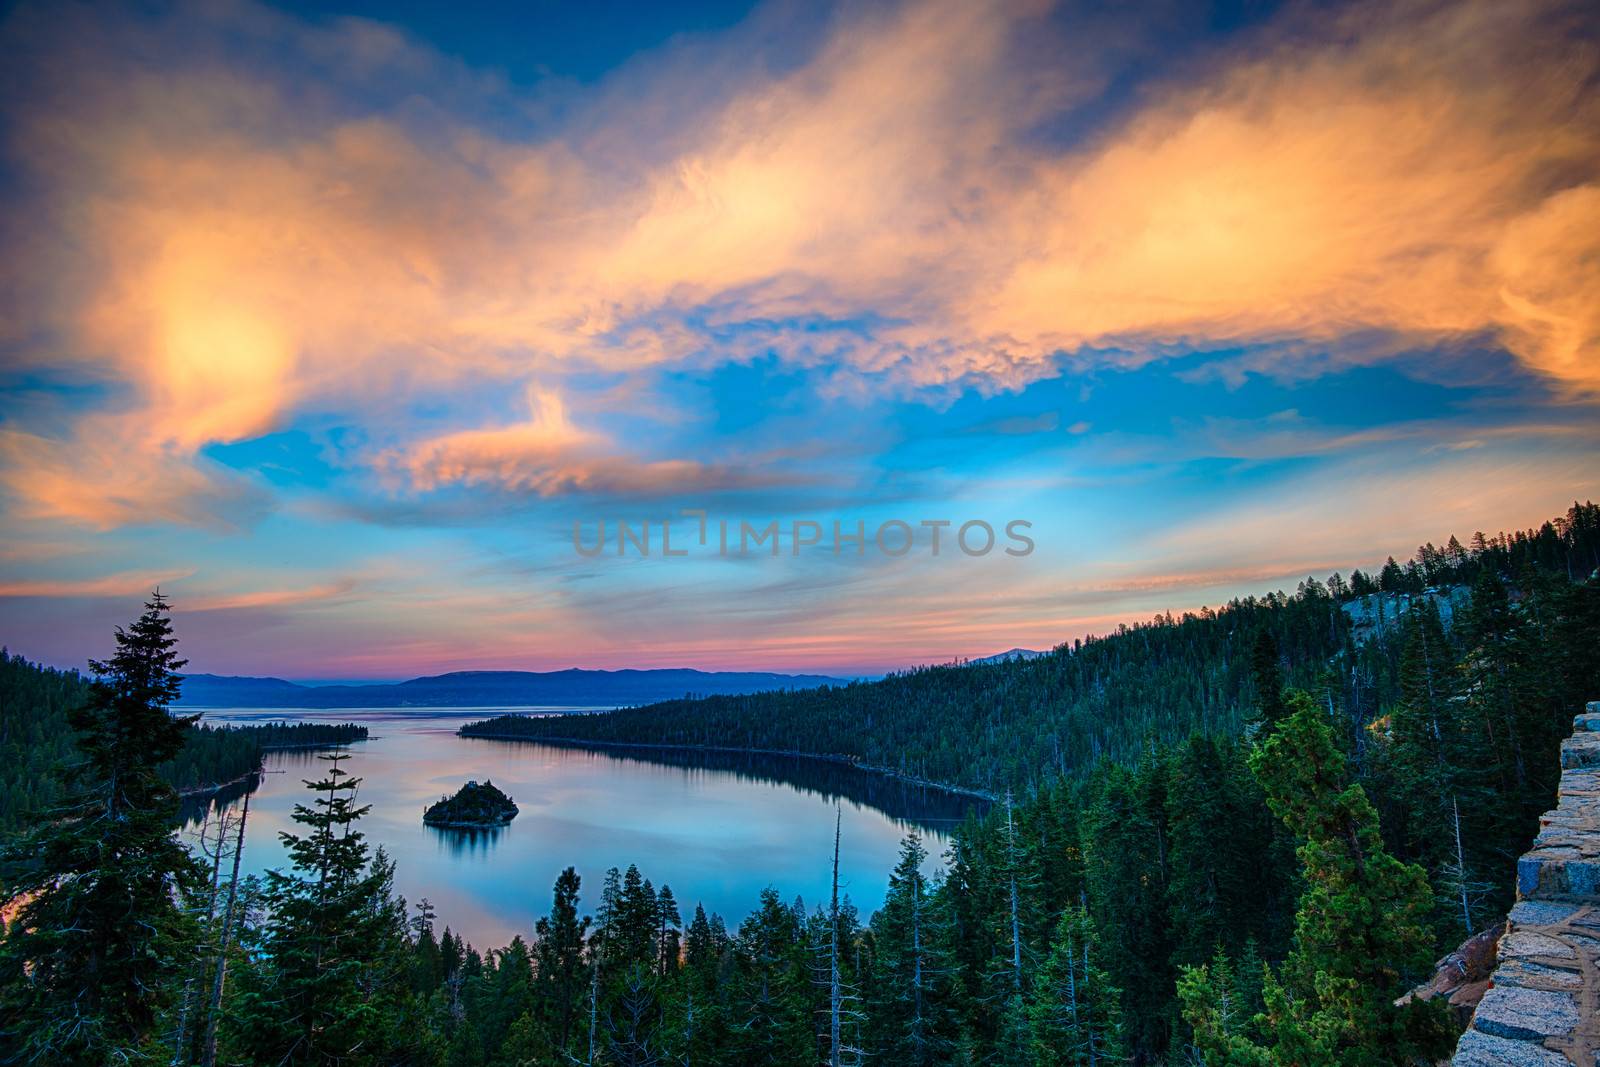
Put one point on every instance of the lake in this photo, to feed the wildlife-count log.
(716, 827)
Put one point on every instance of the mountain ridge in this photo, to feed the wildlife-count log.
(493, 688)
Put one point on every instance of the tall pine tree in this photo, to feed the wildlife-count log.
(331, 973)
(911, 995)
(86, 968)
(1076, 1013)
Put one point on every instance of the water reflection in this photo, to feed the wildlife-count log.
(196, 808)
(908, 803)
(462, 841)
(716, 827)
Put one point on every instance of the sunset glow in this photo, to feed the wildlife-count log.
(332, 326)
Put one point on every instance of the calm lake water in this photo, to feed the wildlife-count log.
(716, 828)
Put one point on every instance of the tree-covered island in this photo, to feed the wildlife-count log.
(474, 805)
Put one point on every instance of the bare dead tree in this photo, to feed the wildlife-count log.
(208, 1053)
(841, 999)
(1016, 922)
(835, 993)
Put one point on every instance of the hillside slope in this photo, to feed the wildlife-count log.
(1013, 724)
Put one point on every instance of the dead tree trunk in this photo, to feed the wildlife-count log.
(835, 990)
(1016, 923)
(180, 1046)
(208, 1054)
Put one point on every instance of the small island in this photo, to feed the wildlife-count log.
(473, 807)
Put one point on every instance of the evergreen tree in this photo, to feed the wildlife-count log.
(1224, 1028)
(87, 967)
(1433, 762)
(330, 974)
(911, 1001)
(772, 1021)
(427, 968)
(699, 1013)
(1076, 1014)
(669, 937)
(1226, 885)
(1361, 932)
(1267, 674)
(1127, 873)
(633, 937)
(507, 994)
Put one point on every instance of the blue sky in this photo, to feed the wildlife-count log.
(334, 322)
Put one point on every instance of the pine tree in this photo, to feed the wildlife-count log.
(427, 969)
(699, 1014)
(90, 962)
(1076, 1014)
(507, 992)
(1224, 1028)
(1432, 758)
(1361, 931)
(633, 937)
(1267, 674)
(331, 970)
(1224, 888)
(669, 924)
(1127, 871)
(911, 992)
(772, 1020)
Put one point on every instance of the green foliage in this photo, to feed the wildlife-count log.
(562, 976)
(38, 752)
(913, 994)
(1075, 1017)
(1267, 675)
(1361, 932)
(89, 963)
(327, 976)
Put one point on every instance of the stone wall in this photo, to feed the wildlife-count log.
(1543, 1006)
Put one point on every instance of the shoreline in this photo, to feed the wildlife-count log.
(213, 790)
(261, 767)
(837, 760)
(455, 824)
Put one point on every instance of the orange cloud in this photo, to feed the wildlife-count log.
(548, 456)
(230, 249)
(111, 474)
(1422, 174)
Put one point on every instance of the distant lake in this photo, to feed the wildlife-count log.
(717, 828)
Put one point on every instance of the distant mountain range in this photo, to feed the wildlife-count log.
(1009, 655)
(493, 689)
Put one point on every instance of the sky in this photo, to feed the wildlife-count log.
(351, 327)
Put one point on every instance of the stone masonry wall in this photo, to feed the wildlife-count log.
(1543, 1006)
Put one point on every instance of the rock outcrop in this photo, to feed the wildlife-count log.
(1542, 1006)
(1462, 977)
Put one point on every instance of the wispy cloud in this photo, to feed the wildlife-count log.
(111, 585)
(232, 246)
(271, 598)
(547, 455)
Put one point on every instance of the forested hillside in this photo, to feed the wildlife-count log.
(36, 737)
(1427, 751)
(1016, 724)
